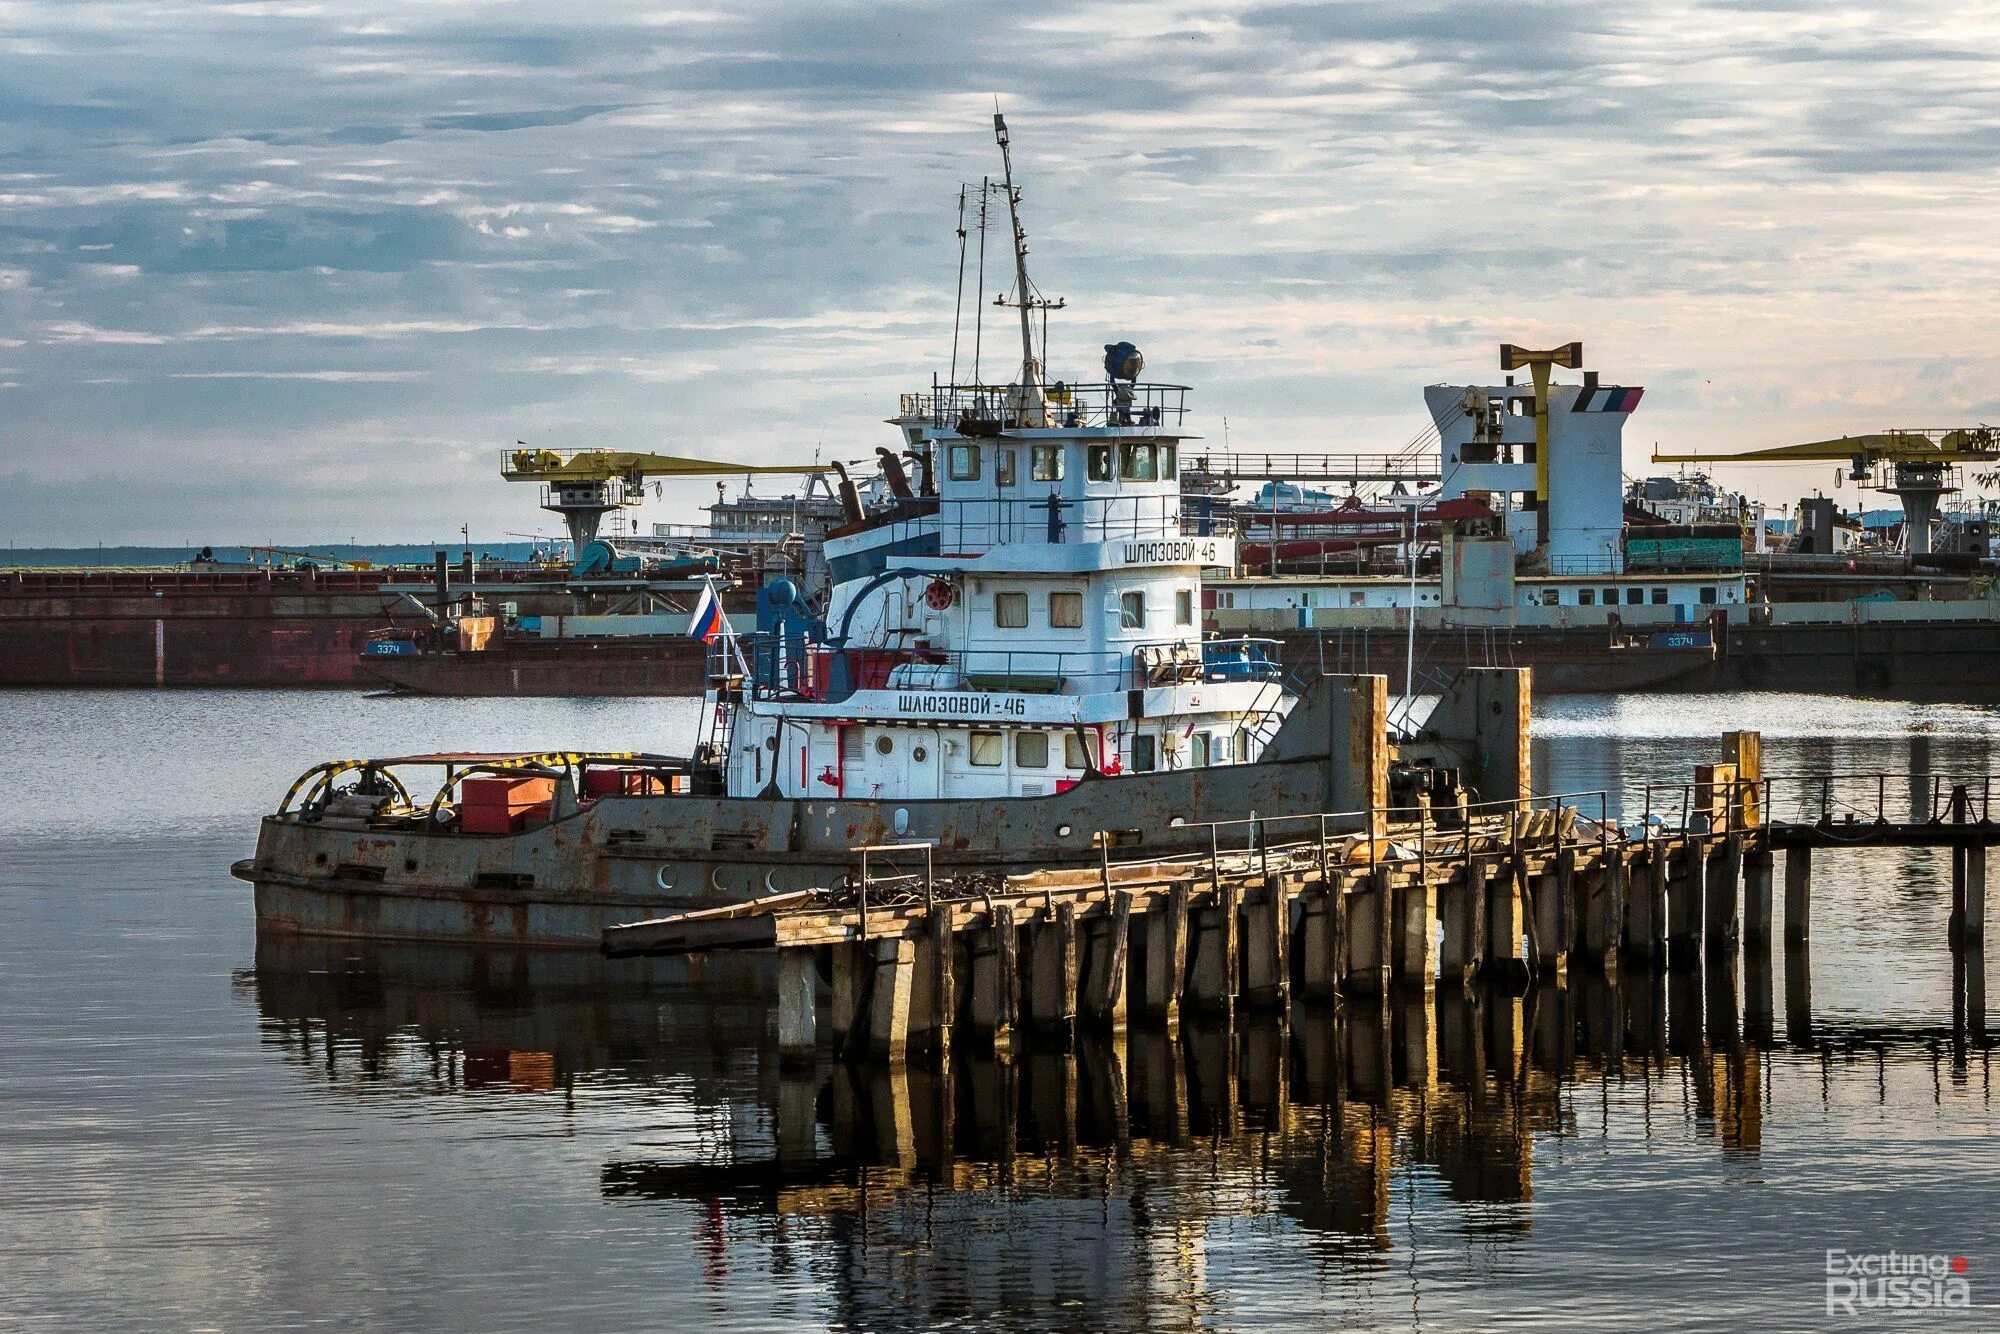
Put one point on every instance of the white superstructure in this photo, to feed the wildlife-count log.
(1024, 610)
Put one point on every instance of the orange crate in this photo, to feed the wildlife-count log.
(622, 783)
(510, 794)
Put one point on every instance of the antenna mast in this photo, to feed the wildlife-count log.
(1031, 399)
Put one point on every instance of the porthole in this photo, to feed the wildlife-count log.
(1062, 831)
(919, 754)
(771, 744)
(885, 745)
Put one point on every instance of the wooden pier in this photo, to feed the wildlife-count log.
(897, 960)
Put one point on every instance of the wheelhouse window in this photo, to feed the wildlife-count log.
(1145, 753)
(1138, 463)
(988, 749)
(1100, 463)
(1586, 597)
(1610, 597)
(1066, 611)
(1031, 750)
(1074, 756)
(1184, 607)
(1010, 611)
(1634, 596)
(1659, 597)
(964, 463)
(1198, 750)
(1169, 469)
(1045, 463)
(1003, 467)
(1132, 610)
(1707, 593)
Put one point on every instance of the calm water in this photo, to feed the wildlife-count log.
(199, 1130)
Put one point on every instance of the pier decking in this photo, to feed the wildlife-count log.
(897, 957)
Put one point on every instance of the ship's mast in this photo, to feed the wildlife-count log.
(1031, 400)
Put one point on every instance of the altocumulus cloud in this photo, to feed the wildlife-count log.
(331, 258)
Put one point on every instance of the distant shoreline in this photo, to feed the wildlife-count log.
(384, 553)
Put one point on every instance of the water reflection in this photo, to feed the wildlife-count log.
(1096, 1175)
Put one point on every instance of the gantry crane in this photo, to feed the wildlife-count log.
(1921, 466)
(583, 485)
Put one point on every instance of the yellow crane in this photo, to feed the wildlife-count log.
(583, 485)
(1920, 465)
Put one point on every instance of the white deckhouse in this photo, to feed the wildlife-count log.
(1025, 611)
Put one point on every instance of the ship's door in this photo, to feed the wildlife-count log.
(922, 764)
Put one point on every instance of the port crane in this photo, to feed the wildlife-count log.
(584, 485)
(1917, 466)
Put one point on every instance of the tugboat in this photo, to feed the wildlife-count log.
(1011, 670)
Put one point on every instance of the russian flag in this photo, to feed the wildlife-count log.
(707, 622)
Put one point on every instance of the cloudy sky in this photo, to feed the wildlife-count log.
(301, 271)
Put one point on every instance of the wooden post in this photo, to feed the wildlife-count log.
(1684, 905)
(1416, 938)
(850, 981)
(1105, 1004)
(1462, 908)
(1552, 914)
(1968, 896)
(1757, 905)
(798, 981)
(1798, 896)
(1369, 921)
(889, 1016)
(1053, 971)
(1166, 956)
(1600, 896)
(1320, 940)
(1504, 912)
(1722, 918)
(996, 980)
(934, 991)
(1268, 953)
(1744, 751)
(1213, 978)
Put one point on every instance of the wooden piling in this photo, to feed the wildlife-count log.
(1107, 965)
(850, 982)
(1601, 898)
(1798, 896)
(1166, 957)
(1370, 919)
(1053, 971)
(1320, 942)
(889, 1005)
(934, 992)
(798, 986)
(1212, 980)
(1553, 921)
(1505, 921)
(1684, 868)
(1415, 906)
(1757, 867)
(1968, 896)
(1646, 907)
(996, 980)
(1722, 914)
(1462, 909)
(1267, 946)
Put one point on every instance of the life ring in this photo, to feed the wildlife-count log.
(939, 595)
